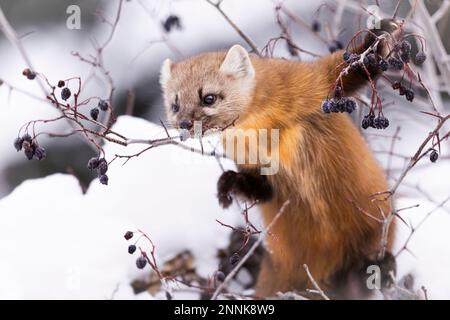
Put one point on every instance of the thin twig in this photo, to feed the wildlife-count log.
(261, 238)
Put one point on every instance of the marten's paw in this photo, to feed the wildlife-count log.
(225, 187)
(246, 186)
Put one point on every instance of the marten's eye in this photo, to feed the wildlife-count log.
(175, 107)
(209, 99)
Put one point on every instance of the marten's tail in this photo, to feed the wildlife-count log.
(362, 62)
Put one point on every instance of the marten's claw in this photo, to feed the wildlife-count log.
(225, 187)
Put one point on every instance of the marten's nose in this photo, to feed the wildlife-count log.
(186, 124)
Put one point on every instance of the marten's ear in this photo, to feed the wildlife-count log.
(165, 72)
(237, 63)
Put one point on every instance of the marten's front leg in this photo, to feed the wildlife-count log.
(246, 184)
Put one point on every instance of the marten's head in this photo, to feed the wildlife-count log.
(214, 88)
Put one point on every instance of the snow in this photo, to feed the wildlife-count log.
(58, 243)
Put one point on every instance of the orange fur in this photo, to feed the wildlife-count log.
(325, 169)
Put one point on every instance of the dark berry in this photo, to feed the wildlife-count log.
(402, 90)
(141, 262)
(104, 179)
(18, 143)
(61, 83)
(94, 113)
(346, 56)
(65, 93)
(335, 46)
(365, 123)
(293, 50)
(171, 22)
(40, 153)
(405, 46)
(128, 235)
(315, 26)
(341, 105)
(93, 163)
(384, 123)
(102, 166)
(396, 85)
(409, 94)
(405, 56)
(339, 44)
(420, 57)
(434, 156)
(350, 105)
(234, 259)
(368, 121)
(29, 74)
(131, 248)
(370, 60)
(338, 92)
(220, 276)
(383, 64)
(395, 64)
(27, 137)
(381, 122)
(356, 66)
(326, 106)
(333, 106)
(354, 57)
(103, 105)
(28, 149)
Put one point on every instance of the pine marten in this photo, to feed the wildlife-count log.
(326, 169)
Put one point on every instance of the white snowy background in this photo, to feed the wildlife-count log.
(58, 243)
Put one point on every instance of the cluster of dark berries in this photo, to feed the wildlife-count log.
(335, 46)
(171, 22)
(234, 259)
(380, 122)
(350, 57)
(434, 156)
(102, 105)
(343, 104)
(371, 59)
(29, 74)
(395, 64)
(141, 261)
(403, 91)
(101, 165)
(403, 52)
(30, 147)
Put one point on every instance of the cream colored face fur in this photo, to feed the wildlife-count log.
(228, 77)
